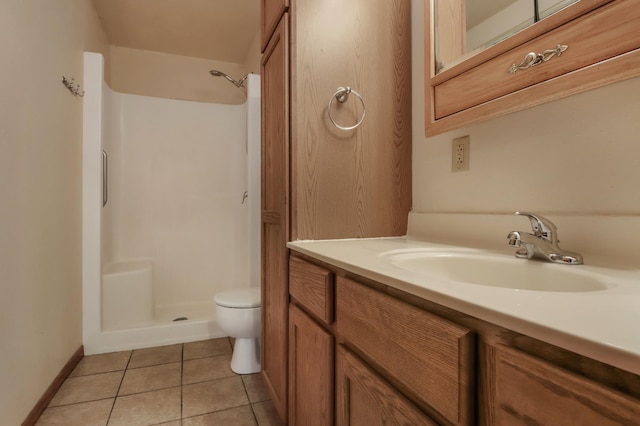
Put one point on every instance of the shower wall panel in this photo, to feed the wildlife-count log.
(112, 146)
(177, 175)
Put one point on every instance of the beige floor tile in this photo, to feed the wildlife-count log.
(146, 379)
(156, 356)
(87, 388)
(204, 369)
(103, 363)
(82, 414)
(207, 348)
(239, 416)
(266, 414)
(173, 423)
(255, 387)
(147, 408)
(215, 395)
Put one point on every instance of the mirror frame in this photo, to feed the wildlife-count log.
(590, 77)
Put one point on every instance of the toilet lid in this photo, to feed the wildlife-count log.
(241, 298)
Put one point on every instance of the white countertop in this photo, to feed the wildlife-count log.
(603, 325)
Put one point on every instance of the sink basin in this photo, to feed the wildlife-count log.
(499, 271)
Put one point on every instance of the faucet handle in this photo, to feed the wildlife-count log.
(542, 227)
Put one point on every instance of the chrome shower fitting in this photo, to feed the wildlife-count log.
(237, 83)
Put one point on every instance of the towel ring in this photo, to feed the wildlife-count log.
(342, 95)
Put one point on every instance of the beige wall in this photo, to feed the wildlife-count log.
(40, 193)
(252, 61)
(573, 157)
(147, 73)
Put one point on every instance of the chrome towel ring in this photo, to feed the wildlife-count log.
(342, 95)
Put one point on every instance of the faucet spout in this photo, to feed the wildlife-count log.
(531, 246)
(542, 244)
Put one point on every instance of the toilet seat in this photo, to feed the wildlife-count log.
(241, 298)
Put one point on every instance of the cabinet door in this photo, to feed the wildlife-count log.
(528, 391)
(275, 216)
(364, 398)
(310, 371)
(272, 11)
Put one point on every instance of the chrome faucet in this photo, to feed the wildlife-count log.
(543, 243)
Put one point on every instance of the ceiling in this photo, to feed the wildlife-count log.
(221, 30)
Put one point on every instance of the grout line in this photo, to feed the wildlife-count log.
(244, 385)
(115, 398)
(182, 384)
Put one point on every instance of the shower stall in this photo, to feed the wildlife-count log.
(171, 193)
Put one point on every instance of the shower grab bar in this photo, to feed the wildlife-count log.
(105, 184)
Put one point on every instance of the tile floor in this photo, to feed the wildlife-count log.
(187, 384)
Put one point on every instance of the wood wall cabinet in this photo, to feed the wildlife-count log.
(318, 181)
(271, 13)
(275, 215)
(603, 46)
(356, 183)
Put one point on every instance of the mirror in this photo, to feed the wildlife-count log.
(464, 28)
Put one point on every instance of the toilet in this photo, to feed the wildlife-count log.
(238, 315)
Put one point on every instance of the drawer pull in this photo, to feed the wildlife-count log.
(532, 59)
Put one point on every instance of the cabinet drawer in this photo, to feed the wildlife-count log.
(430, 359)
(312, 287)
(605, 33)
(528, 390)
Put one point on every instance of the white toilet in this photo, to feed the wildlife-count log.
(238, 315)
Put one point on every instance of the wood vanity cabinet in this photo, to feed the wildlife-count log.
(429, 358)
(526, 390)
(396, 364)
(386, 357)
(311, 344)
(603, 46)
(311, 359)
(364, 398)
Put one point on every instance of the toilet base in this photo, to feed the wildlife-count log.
(246, 356)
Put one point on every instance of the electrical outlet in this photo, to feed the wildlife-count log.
(460, 153)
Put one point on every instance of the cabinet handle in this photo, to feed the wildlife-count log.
(341, 95)
(532, 58)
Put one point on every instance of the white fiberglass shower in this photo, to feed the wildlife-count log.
(171, 193)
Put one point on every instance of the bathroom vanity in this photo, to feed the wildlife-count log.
(373, 340)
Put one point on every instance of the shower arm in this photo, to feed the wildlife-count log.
(237, 83)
